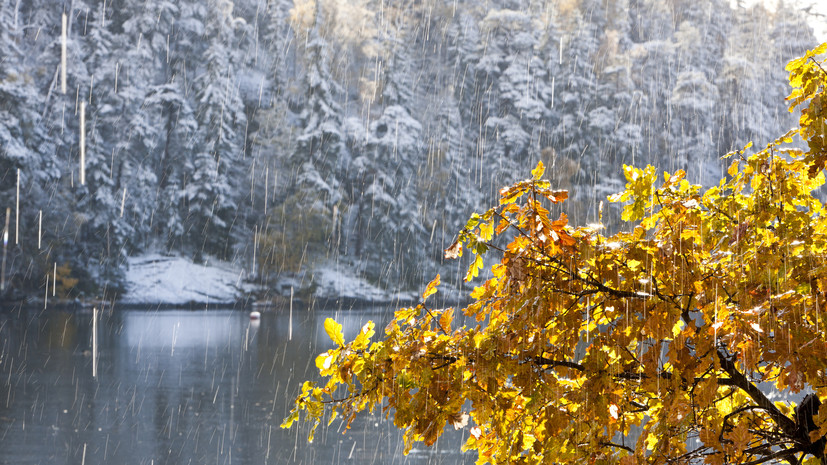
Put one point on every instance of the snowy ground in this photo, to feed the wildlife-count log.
(336, 282)
(159, 279)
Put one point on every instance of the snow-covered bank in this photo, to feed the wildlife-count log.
(335, 282)
(158, 279)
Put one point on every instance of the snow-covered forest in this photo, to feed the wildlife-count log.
(288, 135)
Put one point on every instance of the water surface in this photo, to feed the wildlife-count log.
(178, 387)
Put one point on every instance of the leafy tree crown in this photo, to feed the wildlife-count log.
(649, 345)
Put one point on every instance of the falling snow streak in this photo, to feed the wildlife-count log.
(94, 344)
(17, 210)
(63, 60)
(5, 249)
(83, 143)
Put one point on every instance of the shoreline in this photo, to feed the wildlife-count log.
(272, 305)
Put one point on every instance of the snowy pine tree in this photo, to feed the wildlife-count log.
(218, 151)
(25, 161)
(384, 210)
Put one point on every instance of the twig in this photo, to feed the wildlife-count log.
(819, 65)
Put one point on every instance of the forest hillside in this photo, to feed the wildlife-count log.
(289, 136)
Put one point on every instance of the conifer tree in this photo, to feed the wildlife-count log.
(218, 153)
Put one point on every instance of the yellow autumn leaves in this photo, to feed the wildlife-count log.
(643, 346)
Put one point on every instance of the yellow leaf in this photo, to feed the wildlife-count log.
(474, 269)
(323, 361)
(478, 338)
(733, 168)
(628, 460)
(537, 172)
(358, 367)
(431, 288)
(677, 328)
(334, 331)
(709, 437)
(294, 415)
(487, 231)
(740, 436)
(446, 318)
(363, 338)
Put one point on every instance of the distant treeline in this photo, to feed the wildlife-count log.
(290, 135)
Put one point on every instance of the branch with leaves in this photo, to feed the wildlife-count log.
(648, 345)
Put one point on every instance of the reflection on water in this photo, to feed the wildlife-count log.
(177, 387)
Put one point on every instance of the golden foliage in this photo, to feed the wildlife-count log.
(643, 346)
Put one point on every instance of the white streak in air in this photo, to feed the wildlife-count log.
(94, 348)
(63, 38)
(40, 230)
(255, 246)
(5, 248)
(17, 211)
(82, 143)
(290, 320)
(560, 60)
(252, 182)
(269, 433)
(54, 281)
(123, 201)
(552, 92)
(335, 216)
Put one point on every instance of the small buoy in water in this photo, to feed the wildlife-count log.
(255, 315)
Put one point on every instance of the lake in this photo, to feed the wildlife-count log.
(180, 387)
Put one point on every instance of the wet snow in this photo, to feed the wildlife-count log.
(154, 278)
(335, 283)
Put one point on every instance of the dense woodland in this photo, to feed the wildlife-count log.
(288, 135)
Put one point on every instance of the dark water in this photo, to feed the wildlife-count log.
(178, 387)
